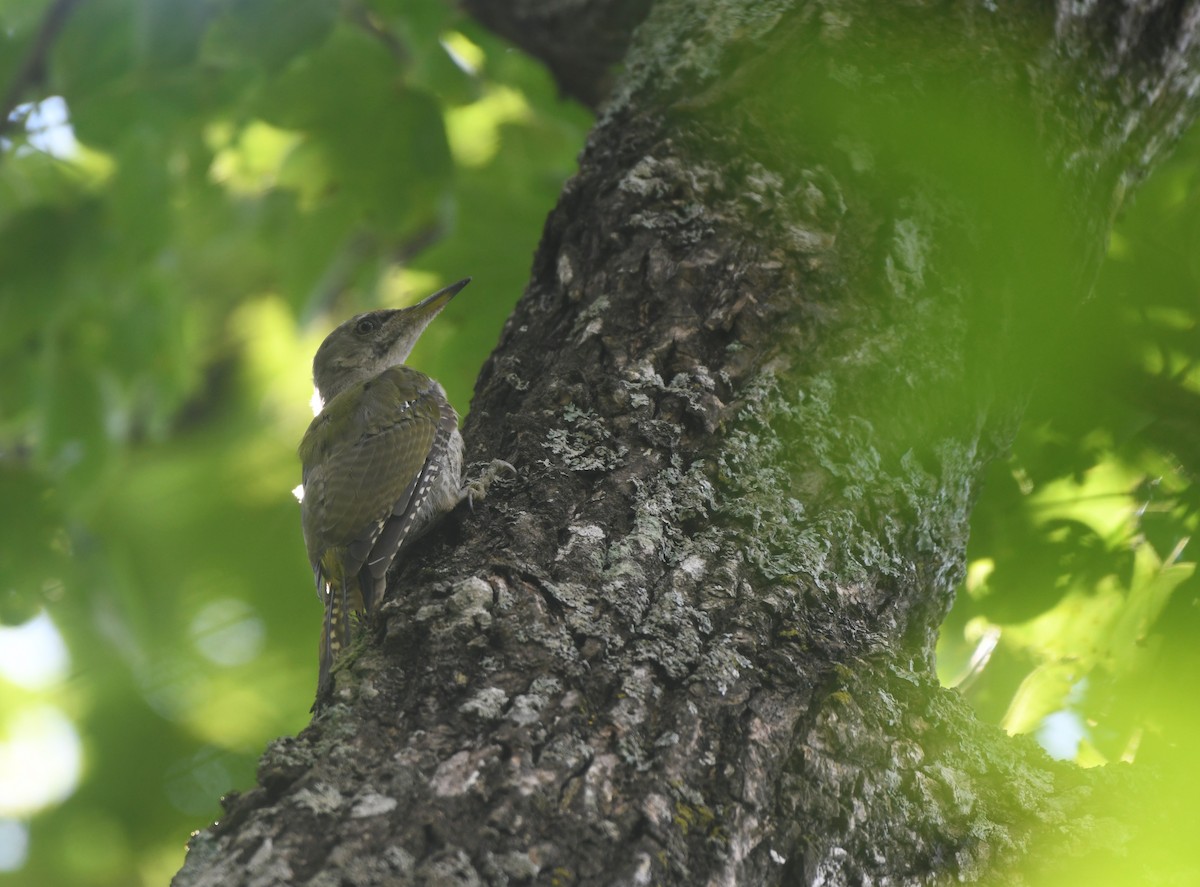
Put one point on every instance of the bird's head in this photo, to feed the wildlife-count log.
(367, 344)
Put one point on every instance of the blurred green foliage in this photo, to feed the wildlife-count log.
(1081, 596)
(194, 194)
(1081, 612)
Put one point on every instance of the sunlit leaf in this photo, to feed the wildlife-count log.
(1043, 691)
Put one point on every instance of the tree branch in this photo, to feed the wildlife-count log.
(579, 40)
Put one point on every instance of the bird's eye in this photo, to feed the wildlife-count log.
(366, 325)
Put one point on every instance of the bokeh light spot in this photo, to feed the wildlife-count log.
(33, 655)
(41, 759)
(228, 632)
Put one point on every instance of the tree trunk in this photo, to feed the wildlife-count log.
(778, 323)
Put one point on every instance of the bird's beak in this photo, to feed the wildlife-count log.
(431, 306)
(405, 325)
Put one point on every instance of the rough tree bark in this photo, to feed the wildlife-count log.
(780, 320)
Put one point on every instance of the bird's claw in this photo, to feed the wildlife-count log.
(477, 489)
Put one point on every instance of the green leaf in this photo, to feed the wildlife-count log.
(1150, 591)
(1044, 690)
(268, 33)
(34, 557)
(383, 143)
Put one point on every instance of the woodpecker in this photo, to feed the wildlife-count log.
(382, 462)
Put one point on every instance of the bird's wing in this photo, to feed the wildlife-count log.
(367, 466)
(363, 459)
(413, 512)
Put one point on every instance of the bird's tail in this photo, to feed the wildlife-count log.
(333, 635)
(343, 600)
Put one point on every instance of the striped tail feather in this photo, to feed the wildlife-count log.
(343, 601)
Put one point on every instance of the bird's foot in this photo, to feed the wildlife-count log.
(477, 489)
